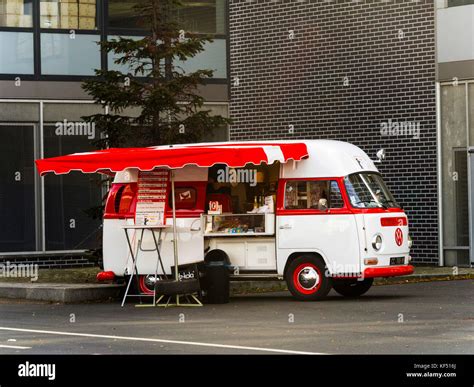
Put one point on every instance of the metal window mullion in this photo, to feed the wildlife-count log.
(43, 213)
(469, 179)
(37, 189)
(36, 40)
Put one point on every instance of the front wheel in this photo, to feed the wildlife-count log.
(352, 288)
(307, 278)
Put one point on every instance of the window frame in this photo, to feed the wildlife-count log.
(467, 2)
(103, 32)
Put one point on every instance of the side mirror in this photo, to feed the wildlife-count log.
(380, 155)
(323, 205)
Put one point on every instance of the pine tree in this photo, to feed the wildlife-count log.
(165, 97)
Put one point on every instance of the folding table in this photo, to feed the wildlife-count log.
(134, 256)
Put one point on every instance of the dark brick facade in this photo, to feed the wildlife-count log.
(386, 49)
(57, 261)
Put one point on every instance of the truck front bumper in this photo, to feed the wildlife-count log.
(388, 271)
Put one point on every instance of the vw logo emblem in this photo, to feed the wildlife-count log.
(398, 237)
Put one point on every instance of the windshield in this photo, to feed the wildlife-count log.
(368, 190)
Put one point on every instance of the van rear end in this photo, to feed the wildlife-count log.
(119, 209)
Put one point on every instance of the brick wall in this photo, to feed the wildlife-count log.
(350, 66)
(67, 261)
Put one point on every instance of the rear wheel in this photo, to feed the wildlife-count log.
(352, 288)
(307, 278)
(147, 284)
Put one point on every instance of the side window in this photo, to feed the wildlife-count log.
(315, 195)
(336, 200)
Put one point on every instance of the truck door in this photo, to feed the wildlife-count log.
(312, 217)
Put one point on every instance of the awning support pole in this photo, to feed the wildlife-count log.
(175, 233)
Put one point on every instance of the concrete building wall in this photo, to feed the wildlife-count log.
(455, 42)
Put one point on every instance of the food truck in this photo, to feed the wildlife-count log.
(315, 213)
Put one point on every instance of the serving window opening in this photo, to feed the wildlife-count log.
(241, 200)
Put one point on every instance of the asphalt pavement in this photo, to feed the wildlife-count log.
(415, 318)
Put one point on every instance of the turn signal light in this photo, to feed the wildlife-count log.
(371, 261)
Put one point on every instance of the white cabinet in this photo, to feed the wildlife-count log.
(248, 253)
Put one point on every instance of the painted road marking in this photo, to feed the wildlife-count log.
(193, 343)
(13, 346)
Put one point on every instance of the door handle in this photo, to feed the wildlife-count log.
(285, 226)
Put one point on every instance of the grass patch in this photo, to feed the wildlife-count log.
(69, 276)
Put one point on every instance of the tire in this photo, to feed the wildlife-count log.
(171, 287)
(306, 278)
(352, 288)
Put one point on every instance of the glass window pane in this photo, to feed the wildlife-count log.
(212, 58)
(17, 189)
(453, 140)
(203, 16)
(308, 195)
(63, 55)
(122, 15)
(16, 53)
(74, 14)
(68, 197)
(335, 199)
(112, 56)
(456, 3)
(16, 13)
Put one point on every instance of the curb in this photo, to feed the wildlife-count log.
(62, 293)
(242, 287)
(76, 293)
(423, 278)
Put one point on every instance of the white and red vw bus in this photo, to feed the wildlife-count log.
(322, 220)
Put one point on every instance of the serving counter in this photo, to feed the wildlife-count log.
(238, 225)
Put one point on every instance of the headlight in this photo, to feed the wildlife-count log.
(410, 241)
(377, 242)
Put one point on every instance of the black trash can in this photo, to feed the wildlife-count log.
(216, 279)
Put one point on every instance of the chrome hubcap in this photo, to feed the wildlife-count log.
(308, 278)
(150, 281)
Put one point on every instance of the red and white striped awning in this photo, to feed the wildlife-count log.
(233, 155)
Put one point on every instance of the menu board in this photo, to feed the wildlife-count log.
(153, 190)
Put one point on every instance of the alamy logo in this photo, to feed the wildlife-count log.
(30, 370)
(12, 270)
(67, 128)
(231, 175)
(400, 128)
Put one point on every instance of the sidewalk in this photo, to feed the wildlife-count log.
(89, 292)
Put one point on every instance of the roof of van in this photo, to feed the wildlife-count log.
(327, 158)
(330, 158)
